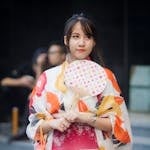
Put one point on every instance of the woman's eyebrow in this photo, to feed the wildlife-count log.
(75, 33)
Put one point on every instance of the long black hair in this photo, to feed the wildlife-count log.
(89, 29)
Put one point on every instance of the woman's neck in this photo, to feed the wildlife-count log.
(70, 58)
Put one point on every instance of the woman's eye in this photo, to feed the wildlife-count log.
(75, 36)
(87, 36)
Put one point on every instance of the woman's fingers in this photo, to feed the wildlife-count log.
(64, 127)
(63, 120)
(60, 124)
(71, 116)
(66, 124)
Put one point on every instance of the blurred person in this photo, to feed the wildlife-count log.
(17, 87)
(25, 76)
(39, 62)
(56, 53)
(54, 125)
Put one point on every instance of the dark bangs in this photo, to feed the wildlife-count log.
(88, 28)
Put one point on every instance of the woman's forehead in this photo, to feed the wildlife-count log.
(83, 28)
(78, 28)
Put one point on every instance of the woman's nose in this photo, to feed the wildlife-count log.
(82, 42)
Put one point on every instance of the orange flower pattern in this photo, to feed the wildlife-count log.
(47, 99)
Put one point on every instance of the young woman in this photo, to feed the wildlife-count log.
(65, 129)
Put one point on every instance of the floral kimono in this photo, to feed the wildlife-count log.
(51, 95)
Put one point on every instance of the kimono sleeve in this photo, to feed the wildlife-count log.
(37, 107)
(113, 106)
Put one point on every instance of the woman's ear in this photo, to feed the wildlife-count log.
(65, 40)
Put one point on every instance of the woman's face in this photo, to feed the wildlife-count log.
(55, 56)
(80, 45)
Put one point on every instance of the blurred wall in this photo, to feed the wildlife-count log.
(27, 25)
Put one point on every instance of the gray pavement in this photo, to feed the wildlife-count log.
(16, 146)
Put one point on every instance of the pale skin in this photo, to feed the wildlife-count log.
(24, 81)
(39, 64)
(80, 46)
(55, 56)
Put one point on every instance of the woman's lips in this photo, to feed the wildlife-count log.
(81, 50)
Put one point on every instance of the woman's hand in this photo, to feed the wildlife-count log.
(70, 116)
(60, 124)
(74, 116)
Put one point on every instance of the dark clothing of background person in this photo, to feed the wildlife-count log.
(14, 96)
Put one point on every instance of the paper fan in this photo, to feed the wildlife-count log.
(87, 76)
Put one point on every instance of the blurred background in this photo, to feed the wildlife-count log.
(123, 29)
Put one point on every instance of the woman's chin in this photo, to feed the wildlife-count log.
(81, 57)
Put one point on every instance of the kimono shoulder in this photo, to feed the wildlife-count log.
(53, 71)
